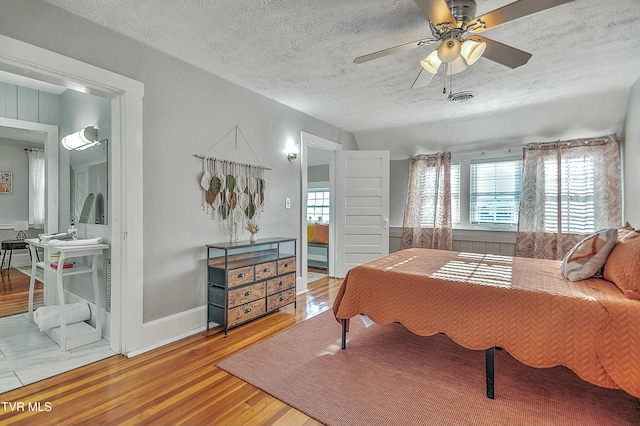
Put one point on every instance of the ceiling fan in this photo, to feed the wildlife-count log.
(453, 23)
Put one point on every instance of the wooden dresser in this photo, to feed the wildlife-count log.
(249, 280)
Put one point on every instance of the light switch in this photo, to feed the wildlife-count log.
(287, 203)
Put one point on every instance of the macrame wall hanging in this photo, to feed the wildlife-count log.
(232, 193)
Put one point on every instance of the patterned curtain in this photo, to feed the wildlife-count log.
(427, 213)
(566, 187)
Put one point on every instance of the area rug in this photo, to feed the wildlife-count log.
(388, 375)
(315, 276)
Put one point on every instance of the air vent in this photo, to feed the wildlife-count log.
(461, 96)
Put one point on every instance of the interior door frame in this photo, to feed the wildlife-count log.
(126, 96)
(307, 139)
(50, 141)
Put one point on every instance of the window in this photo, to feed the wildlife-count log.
(494, 194)
(577, 183)
(36, 188)
(318, 205)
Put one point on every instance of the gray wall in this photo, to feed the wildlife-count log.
(631, 146)
(399, 172)
(186, 112)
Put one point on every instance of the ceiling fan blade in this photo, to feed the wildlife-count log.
(510, 12)
(392, 50)
(503, 54)
(438, 13)
(423, 79)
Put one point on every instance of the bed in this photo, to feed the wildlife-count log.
(525, 306)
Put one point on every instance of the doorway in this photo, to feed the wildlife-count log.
(125, 99)
(317, 206)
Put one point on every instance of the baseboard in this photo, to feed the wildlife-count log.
(171, 328)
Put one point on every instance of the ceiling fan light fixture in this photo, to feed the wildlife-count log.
(449, 50)
(431, 63)
(472, 50)
(456, 66)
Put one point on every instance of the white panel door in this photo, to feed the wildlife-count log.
(362, 208)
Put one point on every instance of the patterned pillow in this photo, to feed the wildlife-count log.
(626, 232)
(589, 255)
(320, 234)
(623, 267)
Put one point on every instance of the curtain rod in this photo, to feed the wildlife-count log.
(33, 149)
(559, 142)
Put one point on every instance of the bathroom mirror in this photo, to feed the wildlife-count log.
(89, 184)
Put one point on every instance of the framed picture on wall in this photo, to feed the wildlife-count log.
(5, 183)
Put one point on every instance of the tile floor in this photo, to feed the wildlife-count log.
(27, 355)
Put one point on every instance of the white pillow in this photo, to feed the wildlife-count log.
(589, 255)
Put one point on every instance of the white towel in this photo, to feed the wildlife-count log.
(75, 243)
(47, 317)
(44, 238)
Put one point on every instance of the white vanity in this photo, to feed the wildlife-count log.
(72, 335)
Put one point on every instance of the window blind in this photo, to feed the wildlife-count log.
(574, 208)
(495, 192)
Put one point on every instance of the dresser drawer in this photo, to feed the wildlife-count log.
(280, 299)
(239, 276)
(246, 312)
(284, 282)
(247, 294)
(286, 265)
(265, 270)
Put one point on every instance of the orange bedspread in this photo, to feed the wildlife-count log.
(523, 305)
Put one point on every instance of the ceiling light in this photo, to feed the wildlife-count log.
(431, 63)
(472, 50)
(449, 50)
(457, 66)
(81, 139)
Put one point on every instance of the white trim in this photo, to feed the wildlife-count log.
(50, 141)
(127, 206)
(307, 139)
(162, 331)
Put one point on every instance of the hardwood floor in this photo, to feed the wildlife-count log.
(175, 384)
(14, 292)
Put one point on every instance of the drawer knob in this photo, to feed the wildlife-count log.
(241, 275)
(266, 270)
(248, 293)
(248, 310)
(282, 298)
(281, 283)
(286, 265)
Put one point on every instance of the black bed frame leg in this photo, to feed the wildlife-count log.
(344, 333)
(489, 372)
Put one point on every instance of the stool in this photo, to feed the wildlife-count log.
(11, 245)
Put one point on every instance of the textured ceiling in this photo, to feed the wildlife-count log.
(300, 53)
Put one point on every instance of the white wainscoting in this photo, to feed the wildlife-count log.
(469, 240)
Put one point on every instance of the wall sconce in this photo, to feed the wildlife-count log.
(82, 139)
(291, 150)
(21, 226)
